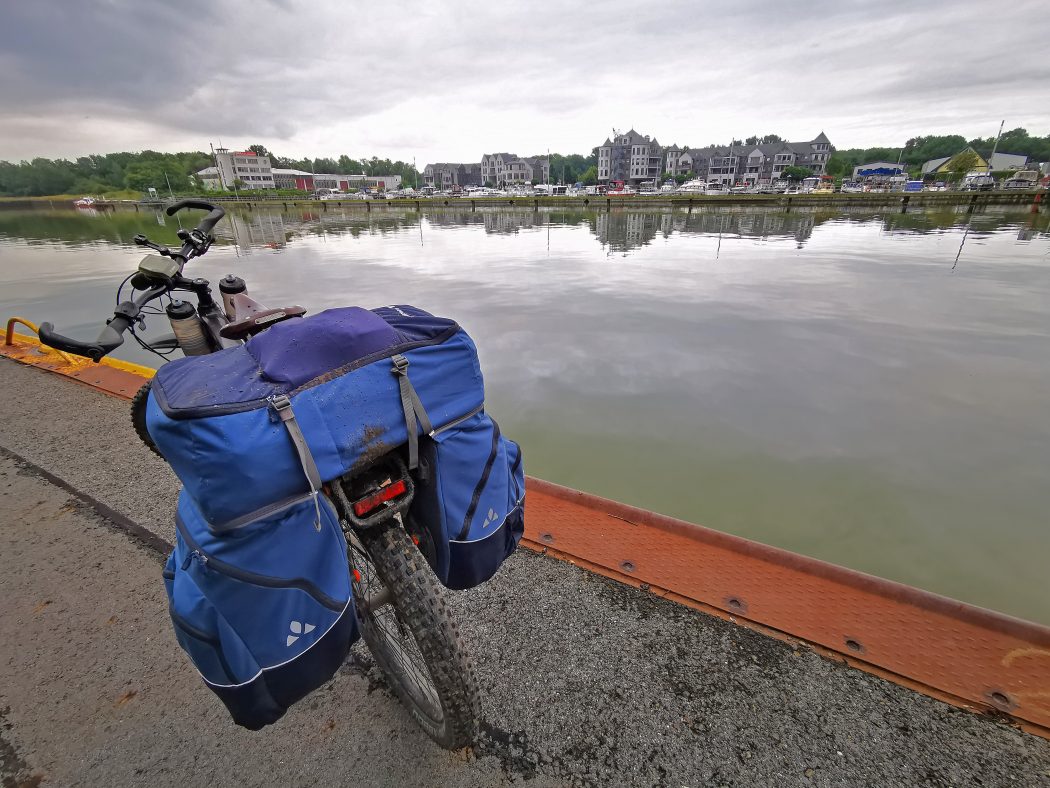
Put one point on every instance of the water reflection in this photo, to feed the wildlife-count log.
(618, 230)
(820, 380)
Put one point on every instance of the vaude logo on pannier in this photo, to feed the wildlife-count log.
(298, 628)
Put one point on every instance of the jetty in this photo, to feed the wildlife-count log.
(620, 647)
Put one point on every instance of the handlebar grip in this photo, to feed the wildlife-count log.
(208, 222)
(110, 339)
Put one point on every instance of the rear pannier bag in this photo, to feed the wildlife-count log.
(264, 609)
(475, 494)
(254, 431)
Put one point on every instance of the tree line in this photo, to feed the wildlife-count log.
(918, 150)
(102, 173)
(174, 172)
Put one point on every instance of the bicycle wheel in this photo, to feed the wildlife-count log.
(410, 631)
(138, 418)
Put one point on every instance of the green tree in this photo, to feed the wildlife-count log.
(142, 175)
(962, 163)
(348, 166)
(763, 140)
(590, 175)
(838, 165)
(795, 173)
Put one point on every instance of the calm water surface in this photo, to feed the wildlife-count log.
(870, 389)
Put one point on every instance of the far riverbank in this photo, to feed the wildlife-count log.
(917, 199)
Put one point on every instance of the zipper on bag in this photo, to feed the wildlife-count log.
(209, 562)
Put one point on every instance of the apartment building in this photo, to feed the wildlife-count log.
(750, 164)
(448, 175)
(629, 157)
(247, 169)
(503, 169)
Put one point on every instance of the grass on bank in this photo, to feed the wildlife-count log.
(117, 194)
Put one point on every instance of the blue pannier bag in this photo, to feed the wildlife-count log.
(264, 609)
(259, 579)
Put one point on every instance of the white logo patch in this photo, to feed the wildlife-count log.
(298, 628)
(490, 519)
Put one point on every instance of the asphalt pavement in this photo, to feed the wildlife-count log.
(584, 681)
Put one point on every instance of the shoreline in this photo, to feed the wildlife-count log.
(1018, 197)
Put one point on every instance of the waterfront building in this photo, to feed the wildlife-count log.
(447, 175)
(629, 157)
(248, 169)
(878, 171)
(751, 164)
(292, 179)
(997, 162)
(505, 169)
(492, 167)
(308, 181)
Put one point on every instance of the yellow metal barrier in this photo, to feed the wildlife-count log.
(122, 378)
(9, 338)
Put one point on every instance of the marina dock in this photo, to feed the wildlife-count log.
(587, 678)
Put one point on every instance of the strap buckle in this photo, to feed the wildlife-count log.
(400, 365)
(279, 402)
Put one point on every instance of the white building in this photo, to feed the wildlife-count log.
(250, 170)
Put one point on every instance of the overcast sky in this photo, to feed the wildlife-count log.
(447, 81)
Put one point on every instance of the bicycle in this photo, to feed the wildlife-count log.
(401, 606)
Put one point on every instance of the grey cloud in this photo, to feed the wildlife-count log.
(448, 78)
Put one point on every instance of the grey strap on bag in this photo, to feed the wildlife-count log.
(413, 408)
(283, 407)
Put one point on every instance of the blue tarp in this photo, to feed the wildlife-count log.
(881, 171)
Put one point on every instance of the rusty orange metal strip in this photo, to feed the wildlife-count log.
(973, 658)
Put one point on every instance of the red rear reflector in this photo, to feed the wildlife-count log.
(365, 505)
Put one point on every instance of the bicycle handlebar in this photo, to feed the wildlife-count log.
(208, 222)
(196, 242)
(110, 339)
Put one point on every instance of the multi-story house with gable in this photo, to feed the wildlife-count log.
(629, 157)
(750, 164)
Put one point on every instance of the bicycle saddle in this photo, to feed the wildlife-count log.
(253, 317)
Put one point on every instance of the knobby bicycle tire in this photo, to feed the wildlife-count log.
(138, 418)
(420, 604)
